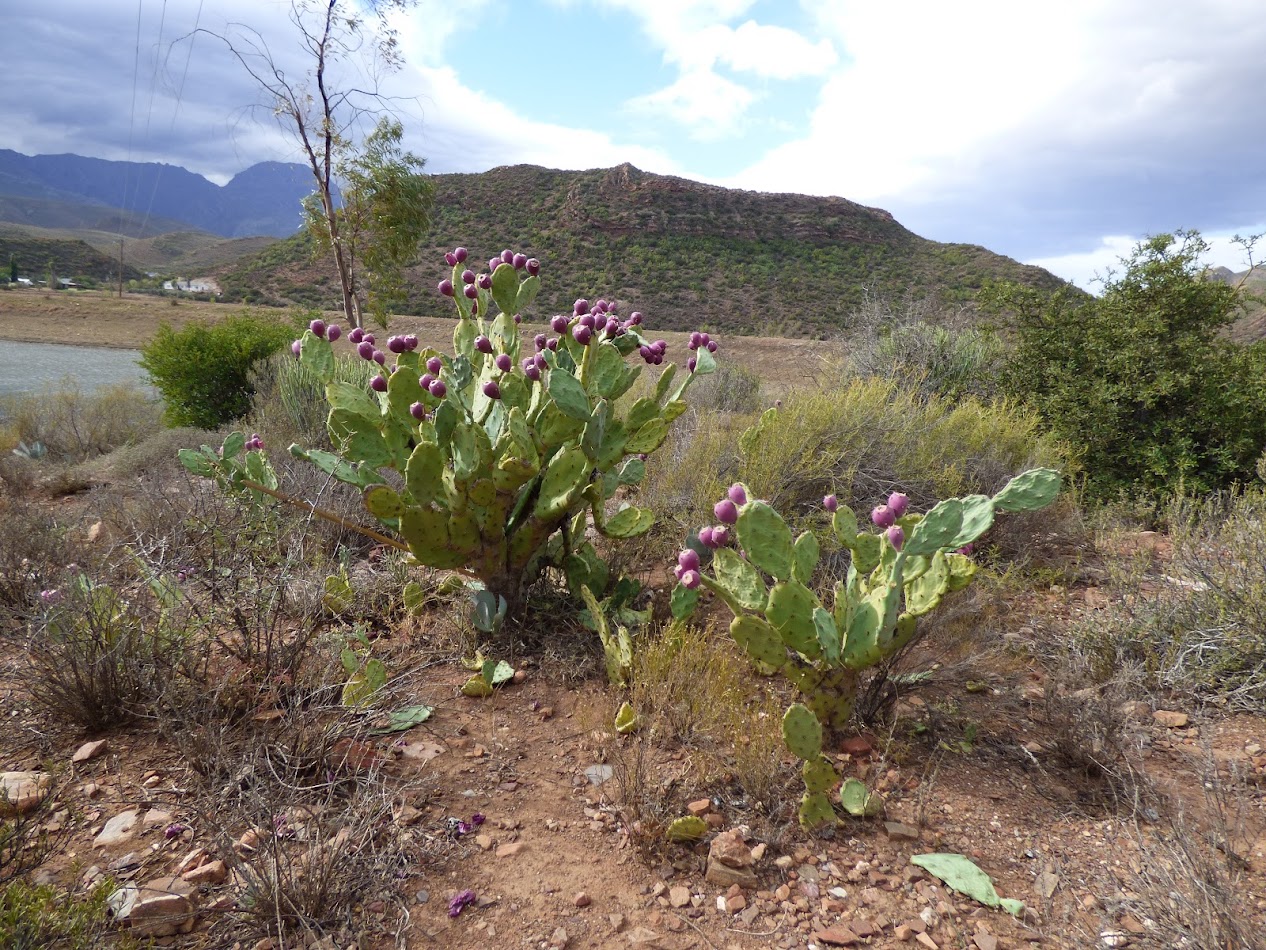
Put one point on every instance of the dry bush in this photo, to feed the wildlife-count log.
(288, 403)
(25, 841)
(73, 425)
(1194, 882)
(34, 553)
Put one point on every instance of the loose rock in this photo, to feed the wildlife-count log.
(120, 828)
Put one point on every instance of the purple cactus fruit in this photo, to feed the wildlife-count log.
(378, 384)
(599, 323)
(705, 536)
(380, 357)
(503, 362)
(471, 292)
(450, 259)
(474, 306)
(492, 390)
(883, 517)
(317, 327)
(831, 503)
(726, 511)
(333, 332)
(507, 256)
(896, 536)
(434, 365)
(532, 372)
(519, 261)
(965, 550)
(704, 339)
(600, 306)
(691, 579)
(446, 287)
(688, 560)
(369, 337)
(296, 347)
(533, 266)
(418, 411)
(411, 342)
(468, 276)
(588, 320)
(558, 324)
(395, 344)
(737, 494)
(438, 389)
(552, 345)
(356, 335)
(425, 381)
(635, 318)
(690, 364)
(720, 536)
(366, 350)
(696, 340)
(641, 456)
(712, 346)
(898, 502)
(582, 334)
(646, 352)
(661, 346)
(678, 571)
(484, 282)
(483, 344)
(461, 254)
(539, 341)
(518, 318)
(580, 306)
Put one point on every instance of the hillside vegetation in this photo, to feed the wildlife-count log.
(67, 257)
(691, 255)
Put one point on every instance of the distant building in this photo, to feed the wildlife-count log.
(25, 282)
(198, 285)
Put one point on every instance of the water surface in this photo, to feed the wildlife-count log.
(26, 367)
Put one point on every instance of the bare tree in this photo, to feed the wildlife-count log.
(321, 109)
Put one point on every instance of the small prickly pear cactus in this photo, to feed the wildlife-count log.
(897, 573)
(500, 460)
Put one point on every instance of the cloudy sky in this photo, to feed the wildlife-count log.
(1054, 132)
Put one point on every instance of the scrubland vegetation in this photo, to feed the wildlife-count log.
(868, 619)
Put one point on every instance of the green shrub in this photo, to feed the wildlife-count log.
(36, 916)
(1141, 377)
(202, 370)
(935, 360)
(73, 425)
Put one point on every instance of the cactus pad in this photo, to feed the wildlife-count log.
(686, 830)
(766, 539)
(859, 801)
(802, 732)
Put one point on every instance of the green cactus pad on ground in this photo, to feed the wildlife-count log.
(859, 801)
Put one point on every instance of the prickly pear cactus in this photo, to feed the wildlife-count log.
(496, 459)
(896, 574)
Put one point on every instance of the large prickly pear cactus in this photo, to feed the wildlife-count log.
(896, 574)
(492, 461)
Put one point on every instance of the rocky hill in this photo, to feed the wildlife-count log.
(688, 254)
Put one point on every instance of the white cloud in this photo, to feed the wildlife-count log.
(709, 105)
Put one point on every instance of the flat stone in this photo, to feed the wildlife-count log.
(582, 899)
(559, 939)
(598, 774)
(1171, 719)
(725, 876)
(679, 896)
(899, 831)
(984, 941)
(120, 828)
(214, 872)
(699, 808)
(22, 791)
(645, 937)
(926, 941)
(160, 908)
(510, 850)
(89, 751)
(838, 936)
(155, 818)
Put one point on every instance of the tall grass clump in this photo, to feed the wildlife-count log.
(73, 425)
(202, 370)
(934, 360)
(1198, 630)
(288, 401)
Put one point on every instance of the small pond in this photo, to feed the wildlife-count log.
(25, 367)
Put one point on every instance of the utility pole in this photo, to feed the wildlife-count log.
(120, 266)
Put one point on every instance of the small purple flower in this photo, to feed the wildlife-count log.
(688, 560)
(831, 503)
(333, 332)
(460, 902)
(737, 494)
(446, 287)
(882, 516)
(898, 502)
(418, 411)
(434, 365)
(691, 579)
(503, 362)
(460, 254)
(438, 389)
(896, 536)
(477, 819)
(50, 598)
(378, 384)
(533, 266)
(492, 390)
(726, 511)
(174, 830)
(483, 344)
